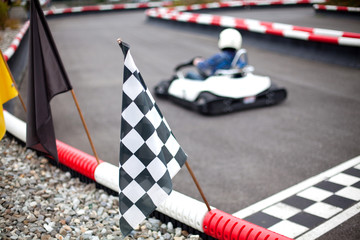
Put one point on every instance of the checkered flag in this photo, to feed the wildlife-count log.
(149, 153)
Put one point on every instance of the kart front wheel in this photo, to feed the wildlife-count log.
(161, 90)
(202, 102)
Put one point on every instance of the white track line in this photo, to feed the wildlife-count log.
(296, 188)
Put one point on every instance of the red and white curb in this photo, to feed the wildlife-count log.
(285, 30)
(244, 3)
(160, 10)
(106, 7)
(216, 223)
(178, 206)
(336, 8)
(16, 42)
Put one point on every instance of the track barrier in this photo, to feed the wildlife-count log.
(224, 226)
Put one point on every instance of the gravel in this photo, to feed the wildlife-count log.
(6, 37)
(40, 201)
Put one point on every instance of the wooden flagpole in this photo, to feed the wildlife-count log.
(197, 185)
(76, 103)
(85, 127)
(12, 78)
(75, 100)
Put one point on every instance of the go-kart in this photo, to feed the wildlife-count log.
(226, 91)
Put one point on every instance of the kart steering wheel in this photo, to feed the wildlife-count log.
(190, 63)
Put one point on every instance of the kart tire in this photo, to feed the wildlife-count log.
(275, 95)
(161, 90)
(202, 102)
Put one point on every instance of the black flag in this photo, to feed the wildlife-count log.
(47, 78)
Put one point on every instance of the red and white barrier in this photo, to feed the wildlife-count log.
(221, 225)
(285, 30)
(106, 7)
(336, 8)
(243, 3)
(16, 42)
(161, 10)
(178, 206)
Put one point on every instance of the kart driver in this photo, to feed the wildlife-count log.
(229, 42)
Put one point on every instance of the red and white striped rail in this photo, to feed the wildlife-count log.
(285, 30)
(161, 10)
(336, 8)
(16, 42)
(106, 7)
(243, 3)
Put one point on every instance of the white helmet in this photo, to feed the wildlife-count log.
(230, 38)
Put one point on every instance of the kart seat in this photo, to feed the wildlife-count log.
(238, 65)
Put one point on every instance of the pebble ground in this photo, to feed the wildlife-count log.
(40, 201)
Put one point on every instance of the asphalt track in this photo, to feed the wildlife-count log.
(239, 158)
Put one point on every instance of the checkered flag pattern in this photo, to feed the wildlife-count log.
(149, 153)
(313, 206)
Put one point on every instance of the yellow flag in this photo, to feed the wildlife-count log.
(7, 91)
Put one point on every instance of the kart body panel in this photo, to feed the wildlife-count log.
(221, 86)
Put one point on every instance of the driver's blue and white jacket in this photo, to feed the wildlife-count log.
(221, 60)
